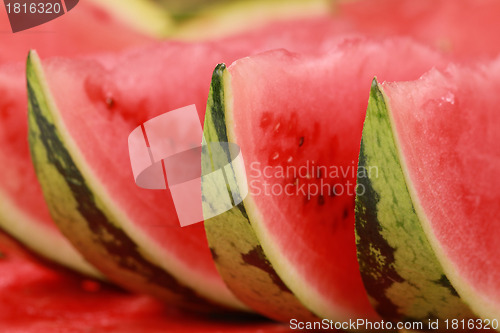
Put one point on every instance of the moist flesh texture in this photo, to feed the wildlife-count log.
(442, 24)
(298, 121)
(446, 126)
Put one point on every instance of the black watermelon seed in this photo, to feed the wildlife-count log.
(345, 214)
(301, 141)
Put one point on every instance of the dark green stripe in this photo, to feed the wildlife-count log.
(378, 275)
(398, 265)
(235, 247)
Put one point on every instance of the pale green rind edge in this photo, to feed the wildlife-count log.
(42, 240)
(399, 267)
(236, 250)
(101, 238)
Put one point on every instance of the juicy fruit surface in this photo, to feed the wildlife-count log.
(443, 24)
(300, 230)
(453, 163)
(35, 297)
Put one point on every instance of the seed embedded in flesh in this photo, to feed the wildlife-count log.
(301, 141)
(110, 102)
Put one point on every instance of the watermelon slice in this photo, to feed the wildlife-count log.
(298, 121)
(428, 224)
(36, 298)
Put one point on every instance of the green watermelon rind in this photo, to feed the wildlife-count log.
(236, 250)
(400, 266)
(233, 17)
(86, 215)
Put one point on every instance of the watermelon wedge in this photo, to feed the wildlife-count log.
(80, 205)
(428, 224)
(36, 298)
(298, 121)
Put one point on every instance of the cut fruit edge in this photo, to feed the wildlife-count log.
(179, 270)
(479, 305)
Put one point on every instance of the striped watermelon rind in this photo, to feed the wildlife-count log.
(400, 268)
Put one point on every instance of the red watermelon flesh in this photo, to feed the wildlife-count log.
(449, 151)
(37, 298)
(298, 121)
(465, 29)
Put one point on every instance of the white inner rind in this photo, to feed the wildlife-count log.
(42, 239)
